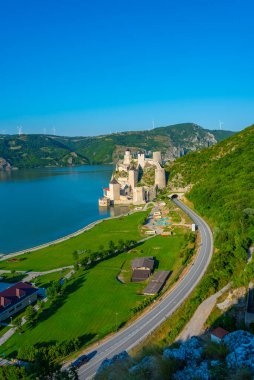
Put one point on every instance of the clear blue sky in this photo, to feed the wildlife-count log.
(91, 67)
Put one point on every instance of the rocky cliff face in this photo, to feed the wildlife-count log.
(4, 165)
(241, 349)
(193, 359)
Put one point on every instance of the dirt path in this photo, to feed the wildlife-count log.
(32, 275)
(195, 325)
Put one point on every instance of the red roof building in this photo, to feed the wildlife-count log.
(16, 298)
(217, 334)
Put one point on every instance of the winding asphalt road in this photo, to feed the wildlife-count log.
(135, 333)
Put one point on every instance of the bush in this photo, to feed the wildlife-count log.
(215, 351)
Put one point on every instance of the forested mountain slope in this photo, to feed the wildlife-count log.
(222, 189)
(47, 150)
(28, 151)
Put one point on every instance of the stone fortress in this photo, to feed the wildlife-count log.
(126, 186)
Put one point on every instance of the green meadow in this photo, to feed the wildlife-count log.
(60, 255)
(95, 302)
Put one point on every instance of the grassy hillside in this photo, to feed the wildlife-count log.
(222, 179)
(42, 150)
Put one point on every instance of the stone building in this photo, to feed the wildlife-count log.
(124, 187)
(157, 157)
(160, 177)
(141, 160)
(133, 178)
(127, 157)
(139, 196)
(114, 190)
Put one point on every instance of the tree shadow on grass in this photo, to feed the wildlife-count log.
(14, 279)
(49, 343)
(156, 263)
(69, 289)
(86, 338)
(115, 254)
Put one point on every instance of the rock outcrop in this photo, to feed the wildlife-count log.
(241, 349)
(148, 364)
(190, 360)
(190, 351)
(122, 357)
(4, 164)
(200, 372)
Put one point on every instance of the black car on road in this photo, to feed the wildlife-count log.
(80, 361)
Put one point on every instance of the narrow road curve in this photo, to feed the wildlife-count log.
(135, 333)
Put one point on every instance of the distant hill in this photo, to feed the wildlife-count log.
(47, 150)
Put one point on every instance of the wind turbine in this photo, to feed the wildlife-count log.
(153, 124)
(54, 131)
(220, 124)
(20, 130)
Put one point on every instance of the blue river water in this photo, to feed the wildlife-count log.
(41, 205)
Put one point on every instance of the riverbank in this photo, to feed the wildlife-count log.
(44, 205)
(7, 256)
(93, 238)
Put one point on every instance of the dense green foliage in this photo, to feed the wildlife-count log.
(13, 373)
(45, 150)
(43, 363)
(222, 178)
(222, 191)
(29, 151)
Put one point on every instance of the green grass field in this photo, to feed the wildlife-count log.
(60, 255)
(12, 277)
(175, 217)
(46, 279)
(95, 302)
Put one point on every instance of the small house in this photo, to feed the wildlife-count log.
(142, 268)
(15, 298)
(217, 334)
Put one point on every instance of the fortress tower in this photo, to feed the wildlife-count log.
(133, 178)
(157, 157)
(151, 194)
(141, 160)
(127, 157)
(138, 196)
(114, 190)
(160, 177)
